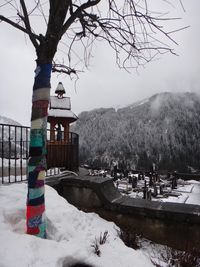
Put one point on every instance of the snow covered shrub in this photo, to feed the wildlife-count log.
(95, 245)
(102, 240)
(176, 258)
(185, 259)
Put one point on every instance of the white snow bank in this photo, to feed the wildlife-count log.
(12, 162)
(71, 234)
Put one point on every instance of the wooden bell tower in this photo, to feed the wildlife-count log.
(60, 116)
(62, 145)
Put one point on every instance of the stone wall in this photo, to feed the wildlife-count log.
(167, 223)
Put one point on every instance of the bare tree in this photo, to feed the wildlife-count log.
(128, 26)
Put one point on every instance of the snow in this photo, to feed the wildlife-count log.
(13, 162)
(138, 103)
(179, 199)
(13, 178)
(143, 102)
(195, 196)
(62, 113)
(5, 120)
(60, 103)
(71, 234)
(188, 192)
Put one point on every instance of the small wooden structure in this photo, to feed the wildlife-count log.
(62, 146)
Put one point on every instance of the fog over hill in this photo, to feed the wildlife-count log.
(164, 129)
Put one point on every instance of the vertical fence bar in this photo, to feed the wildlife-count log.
(64, 150)
(72, 150)
(70, 153)
(9, 153)
(77, 150)
(2, 153)
(77, 156)
(21, 151)
(15, 153)
(27, 152)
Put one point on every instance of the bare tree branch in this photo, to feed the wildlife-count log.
(62, 68)
(182, 5)
(77, 13)
(6, 3)
(27, 23)
(132, 30)
(17, 26)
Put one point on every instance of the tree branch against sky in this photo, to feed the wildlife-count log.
(136, 33)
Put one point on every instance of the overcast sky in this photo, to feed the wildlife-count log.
(103, 84)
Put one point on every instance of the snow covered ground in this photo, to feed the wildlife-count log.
(71, 235)
(13, 163)
(188, 192)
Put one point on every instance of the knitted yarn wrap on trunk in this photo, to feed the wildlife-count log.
(35, 214)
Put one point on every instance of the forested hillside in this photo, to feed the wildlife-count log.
(163, 130)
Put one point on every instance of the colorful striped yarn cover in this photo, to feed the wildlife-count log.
(35, 215)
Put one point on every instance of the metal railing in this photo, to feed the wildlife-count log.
(14, 153)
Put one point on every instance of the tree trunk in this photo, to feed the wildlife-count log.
(35, 216)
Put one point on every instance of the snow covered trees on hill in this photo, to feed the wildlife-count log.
(163, 130)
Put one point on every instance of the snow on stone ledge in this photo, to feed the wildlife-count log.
(71, 234)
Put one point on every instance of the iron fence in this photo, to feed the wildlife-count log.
(14, 153)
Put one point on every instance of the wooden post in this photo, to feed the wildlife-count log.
(66, 132)
(52, 131)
